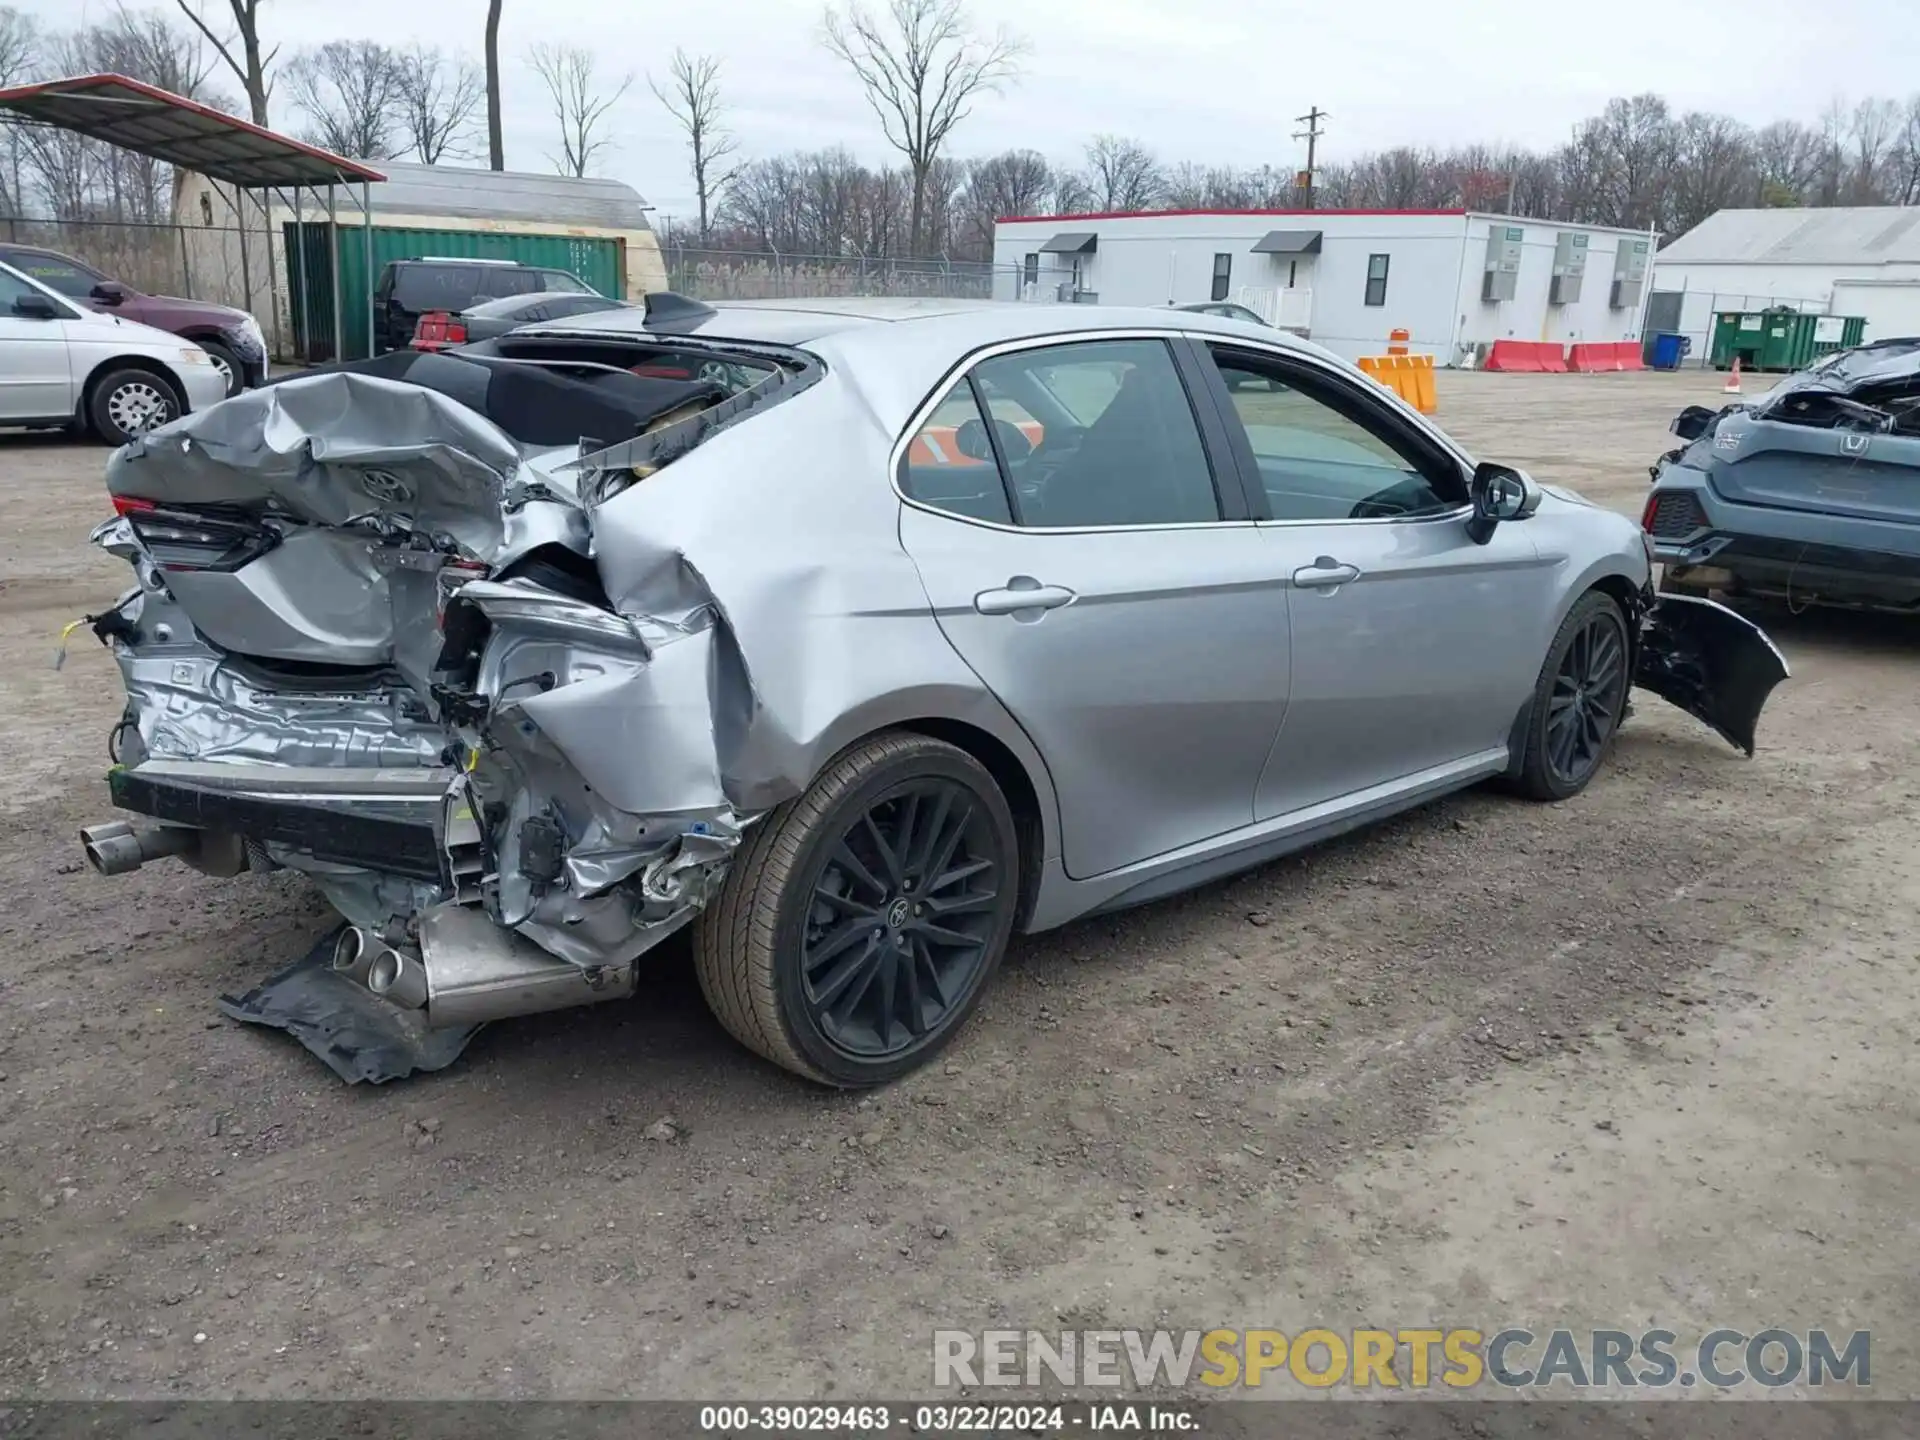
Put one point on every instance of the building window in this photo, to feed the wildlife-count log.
(1031, 266)
(1222, 275)
(1376, 279)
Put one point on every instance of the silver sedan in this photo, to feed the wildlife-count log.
(855, 635)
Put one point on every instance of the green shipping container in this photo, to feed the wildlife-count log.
(1780, 339)
(596, 260)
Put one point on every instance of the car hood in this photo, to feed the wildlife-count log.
(120, 330)
(167, 311)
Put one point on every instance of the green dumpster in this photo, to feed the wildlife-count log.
(1779, 339)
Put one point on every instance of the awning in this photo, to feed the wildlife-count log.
(181, 132)
(1288, 242)
(1071, 242)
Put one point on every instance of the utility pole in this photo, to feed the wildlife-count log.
(1311, 135)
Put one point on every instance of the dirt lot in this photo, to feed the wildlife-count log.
(1647, 1057)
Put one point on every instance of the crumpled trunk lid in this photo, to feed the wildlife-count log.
(1835, 471)
(322, 520)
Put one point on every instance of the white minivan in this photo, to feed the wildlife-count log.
(62, 364)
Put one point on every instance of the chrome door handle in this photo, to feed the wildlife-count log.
(1325, 573)
(1022, 592)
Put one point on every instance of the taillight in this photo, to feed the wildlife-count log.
(437, 329)
(189, 540)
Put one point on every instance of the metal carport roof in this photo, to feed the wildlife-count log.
(181, 132)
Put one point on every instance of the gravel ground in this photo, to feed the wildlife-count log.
(1646, 1057)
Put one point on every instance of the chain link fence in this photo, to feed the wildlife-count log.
(768, 275)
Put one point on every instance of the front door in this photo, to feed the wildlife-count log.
(1080, 559)
(1413, 647)
(35, 381)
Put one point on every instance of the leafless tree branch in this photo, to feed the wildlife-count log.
(579, 105)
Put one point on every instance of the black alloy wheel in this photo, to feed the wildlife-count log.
(1587, 693)
(859, 924)
(901, 918)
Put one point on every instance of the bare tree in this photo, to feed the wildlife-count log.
(1903, 185)
(436, 101)
(578, 104)
(692, 97)
(20, 43)
(249, 67)
(921, 65)
(1874, 130)
(349, 90)
(1123, 175)
(496, 152)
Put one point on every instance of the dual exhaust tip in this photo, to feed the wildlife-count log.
(117, 847)
(392, 974)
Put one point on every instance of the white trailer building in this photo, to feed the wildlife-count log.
(1455, 280)
(1847, 260)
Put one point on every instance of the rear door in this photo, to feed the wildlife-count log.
(1413, 647)
(36, 380)
(1087, 563)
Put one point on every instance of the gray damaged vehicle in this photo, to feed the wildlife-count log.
(857, 635)
(1810, 494)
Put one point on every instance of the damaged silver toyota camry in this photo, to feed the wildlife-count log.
(857, 635)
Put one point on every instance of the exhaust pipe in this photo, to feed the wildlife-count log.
(469, 971)
(116, 847)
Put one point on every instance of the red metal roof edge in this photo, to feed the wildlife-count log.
(74, 83)
(1164, 214)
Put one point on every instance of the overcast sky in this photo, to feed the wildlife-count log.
(1212, 80)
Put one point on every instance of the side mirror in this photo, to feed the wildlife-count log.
(1693, 422)
(108, 292)
(1500, 492)
(35, 306)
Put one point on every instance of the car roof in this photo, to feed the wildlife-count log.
(967, 323)
(506, 304)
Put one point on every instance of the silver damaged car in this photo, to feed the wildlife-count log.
(856, 635)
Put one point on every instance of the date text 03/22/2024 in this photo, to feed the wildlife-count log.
(946, 1418)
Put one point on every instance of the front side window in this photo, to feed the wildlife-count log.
(13, 288)
(1222, 276)
(1099, 433)
(564, 281)
(1376, 279)
(1324, 453)
(56, 272)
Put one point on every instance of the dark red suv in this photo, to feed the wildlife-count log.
(232, 337)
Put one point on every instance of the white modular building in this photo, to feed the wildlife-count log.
(1845, 260)
(1454, 280)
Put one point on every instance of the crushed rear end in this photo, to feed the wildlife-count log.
(1810, 495)
(367, 640)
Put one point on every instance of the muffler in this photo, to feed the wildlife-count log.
(116, 847)
(470, 970)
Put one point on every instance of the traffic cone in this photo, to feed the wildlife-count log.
(1733, 381)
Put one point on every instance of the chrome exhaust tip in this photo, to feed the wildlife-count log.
(397, 976)
(116, 847)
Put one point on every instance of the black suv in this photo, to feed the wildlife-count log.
(410, 288)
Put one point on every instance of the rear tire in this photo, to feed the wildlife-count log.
(125, 403)
(859, 924)
(1578, 701)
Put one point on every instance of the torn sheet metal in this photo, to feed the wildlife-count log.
(360, 1036)
(1716, 665)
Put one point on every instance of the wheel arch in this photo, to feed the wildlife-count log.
(1626, 592)
(156, 368)
(1023, 797)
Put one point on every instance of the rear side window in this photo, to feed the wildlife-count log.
(564, 281)
(950, 463)
(1099, 433)
(436, 287)
(499, 281)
